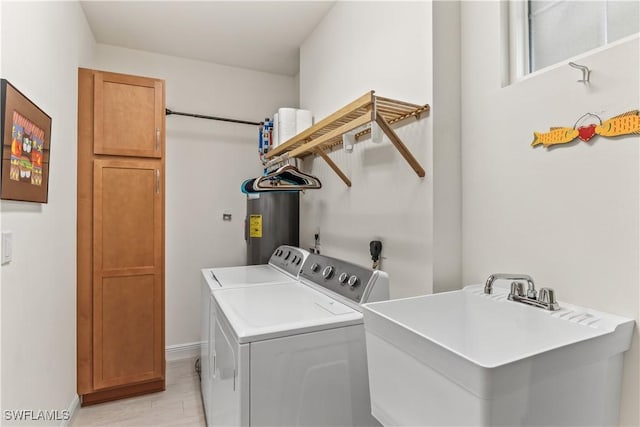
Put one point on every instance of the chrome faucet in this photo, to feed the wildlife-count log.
(545, 298)
(488, 286)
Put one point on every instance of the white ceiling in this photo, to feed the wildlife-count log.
(259, 35)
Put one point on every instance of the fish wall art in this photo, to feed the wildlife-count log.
(623, 124)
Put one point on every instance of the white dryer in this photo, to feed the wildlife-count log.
(293, 354)
(283, 267)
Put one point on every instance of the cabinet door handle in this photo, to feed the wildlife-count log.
(157, 139)
(157, 181)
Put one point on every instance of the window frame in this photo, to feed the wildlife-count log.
(516, 45)
(517, 30)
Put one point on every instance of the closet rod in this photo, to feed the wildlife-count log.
(169, 112)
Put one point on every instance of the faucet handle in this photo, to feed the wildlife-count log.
(517, 289)
(547, 296)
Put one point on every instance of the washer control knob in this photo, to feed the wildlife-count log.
(343, 278)
(286, 257)
(328, 271)
(293, 260)
(353, 281)
(315, 267)
(299, 260)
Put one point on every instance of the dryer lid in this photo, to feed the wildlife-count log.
(246, 275)
(273, 311)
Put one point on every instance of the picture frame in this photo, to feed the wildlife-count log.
(25, 130)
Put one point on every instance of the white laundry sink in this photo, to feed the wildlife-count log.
(466, 358)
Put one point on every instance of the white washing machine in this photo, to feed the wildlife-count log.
(283, 267)
(293, 354)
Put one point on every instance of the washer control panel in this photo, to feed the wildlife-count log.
(289, 258)
(347, 279)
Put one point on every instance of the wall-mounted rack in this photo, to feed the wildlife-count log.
(327, 133)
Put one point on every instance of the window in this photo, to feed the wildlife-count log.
(543, 33)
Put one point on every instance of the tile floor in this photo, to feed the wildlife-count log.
(179, 405)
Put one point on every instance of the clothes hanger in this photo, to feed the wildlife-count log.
(292, 177)
(285, 178)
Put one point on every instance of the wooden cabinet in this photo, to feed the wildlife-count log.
(128, 114)
(120, 236)
(127, 272)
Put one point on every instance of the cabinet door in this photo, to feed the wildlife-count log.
(128, 115)
(128, 277)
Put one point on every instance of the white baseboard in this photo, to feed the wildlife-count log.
(182, 351)
(73, 407)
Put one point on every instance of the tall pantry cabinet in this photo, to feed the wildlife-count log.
(120, 289)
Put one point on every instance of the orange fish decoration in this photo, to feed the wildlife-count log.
(623, 124)
(554, 136)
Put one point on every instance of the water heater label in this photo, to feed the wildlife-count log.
(255, 225)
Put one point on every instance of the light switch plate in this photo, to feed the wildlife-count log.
(7, 247)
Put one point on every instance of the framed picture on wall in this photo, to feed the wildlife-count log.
(26, 140)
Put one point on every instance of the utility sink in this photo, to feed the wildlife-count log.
(468, 358)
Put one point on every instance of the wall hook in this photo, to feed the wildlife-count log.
(586, 72)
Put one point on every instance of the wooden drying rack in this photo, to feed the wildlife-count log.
(327, 133)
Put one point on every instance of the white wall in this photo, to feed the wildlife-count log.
(39, 285)
(206, 162)
(386, 47)
(447, 175)
(568, 216)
